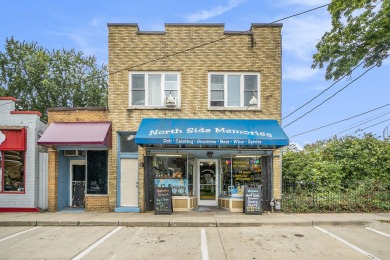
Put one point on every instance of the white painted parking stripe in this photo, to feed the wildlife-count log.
(379, 232)
(17, 234)
(347, 243)
(204, 248)
(96, 244)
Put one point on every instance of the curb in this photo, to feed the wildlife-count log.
(17, 223)
(182, 223)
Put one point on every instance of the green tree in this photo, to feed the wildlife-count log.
(360, 33)
(339, 160)
(42, 79)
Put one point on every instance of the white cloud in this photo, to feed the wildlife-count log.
(87, 39)
(300, 35)
(298, 73)
(303, 2)
(207, 14)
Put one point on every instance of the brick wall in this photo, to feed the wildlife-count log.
(258, 50)
(72, 115)
(31, 121)
(77, 114)
(96, 203)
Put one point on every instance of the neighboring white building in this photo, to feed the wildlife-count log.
(19, 158)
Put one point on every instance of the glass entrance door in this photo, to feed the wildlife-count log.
(208, 179)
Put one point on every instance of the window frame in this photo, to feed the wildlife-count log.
(225, 75)
(163, 88)
(2, 173)
(87, 176)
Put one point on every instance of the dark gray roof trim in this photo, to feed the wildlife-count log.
(151, 32)
(239, 32)
(196, 24)
(266, 25)
(77, 108)
(122, 24)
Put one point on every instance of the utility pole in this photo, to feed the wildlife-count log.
(386, 133)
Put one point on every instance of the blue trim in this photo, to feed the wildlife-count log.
(119, 156)
(118, 171)
(223, 132)
(128, 156)
(127, 209)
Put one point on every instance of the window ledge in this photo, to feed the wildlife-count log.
(152, 108)
(234, 109)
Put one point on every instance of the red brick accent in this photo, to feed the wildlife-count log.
(8, 98)
(27, 112)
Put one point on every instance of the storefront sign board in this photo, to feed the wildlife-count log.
(253, 200)
(13, 140)
(163, 200)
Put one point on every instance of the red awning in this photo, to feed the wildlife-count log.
(95, 134)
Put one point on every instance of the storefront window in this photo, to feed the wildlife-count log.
(97, 172)
(174, 172)
(12, 171)
(127, 144)
(237, 172)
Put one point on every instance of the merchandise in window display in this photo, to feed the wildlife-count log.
(171, 172)
(13, 171)
(244, 171)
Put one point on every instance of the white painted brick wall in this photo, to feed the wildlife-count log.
(33, 125)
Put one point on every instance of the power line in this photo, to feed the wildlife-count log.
(363, 123)
(361, 75)
(214, 41)
(308, 102)
(312, 130)
(375, 124)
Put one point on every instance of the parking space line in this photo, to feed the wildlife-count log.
(204, 248)
(379, 232)
(97, 243)
(347, 243)
(17, 234)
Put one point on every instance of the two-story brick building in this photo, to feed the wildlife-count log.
(195, 108)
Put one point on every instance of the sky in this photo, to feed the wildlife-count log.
(82, 25)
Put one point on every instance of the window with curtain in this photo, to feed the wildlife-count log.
(152, 89)
(233, 89)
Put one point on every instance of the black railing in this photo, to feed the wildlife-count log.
(365, 196)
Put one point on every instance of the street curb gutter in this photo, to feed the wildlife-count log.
(17, 223)
(193, 224)
(143, 224)
(58, 223)
(99, 223)
(288, 224)
(341, 223)
(181, 223)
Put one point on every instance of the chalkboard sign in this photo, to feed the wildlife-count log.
(163, 200)
(252, 199)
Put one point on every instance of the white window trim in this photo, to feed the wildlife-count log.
(162, 94)
(226, 74)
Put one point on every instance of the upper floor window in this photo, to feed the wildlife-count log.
(234, 90)
(154, 88)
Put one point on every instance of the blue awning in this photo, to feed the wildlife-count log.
(220, 132)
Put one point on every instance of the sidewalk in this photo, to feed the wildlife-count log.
(187, 219)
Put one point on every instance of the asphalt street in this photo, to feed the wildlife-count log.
(263, 242)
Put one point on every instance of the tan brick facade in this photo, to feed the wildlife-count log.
(93, 203)
(96, 203)
(257, 50)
